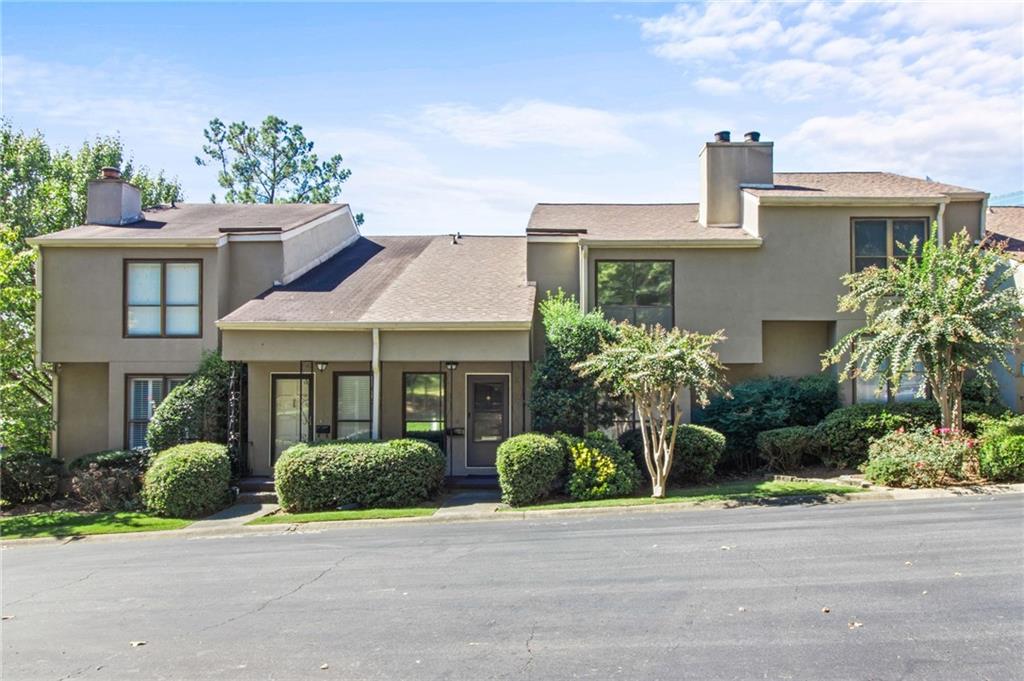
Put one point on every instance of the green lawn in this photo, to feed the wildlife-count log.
(744, 490)
(358, 514)
(73, 523)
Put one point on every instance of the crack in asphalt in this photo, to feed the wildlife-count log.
(529, 649)
(54, 588)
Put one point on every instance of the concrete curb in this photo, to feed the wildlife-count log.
(240, 531)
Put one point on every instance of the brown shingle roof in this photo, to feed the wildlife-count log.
(204, 220)
(405, 280)
(1006, 223)
(856, 185)
(625, 222)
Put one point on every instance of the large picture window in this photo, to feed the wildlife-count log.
(353, 406)
(162, 298)
(878, 240)
(638, 291)
(423, 408)
(871, 390)
(144, 395)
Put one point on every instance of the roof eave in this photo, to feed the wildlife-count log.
(131, 242)
(513, 325)
(752, 242)
(769, 200)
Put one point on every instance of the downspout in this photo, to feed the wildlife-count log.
(375, 368)
(984, 217)
(55, 412)
(940, 218)
(583, 277)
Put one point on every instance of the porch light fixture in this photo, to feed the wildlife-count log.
(320, 366)
(451, 366)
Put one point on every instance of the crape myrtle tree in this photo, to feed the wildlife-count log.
(271, 163)
(561, 399)
(42, 190)
(652, 365)
(948, 312)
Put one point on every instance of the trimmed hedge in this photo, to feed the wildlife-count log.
(785, 449)
(188, 481)
(197, 410)
(529, 468)
(112, 458)
(327, 475)
(846, 433)
(108, 488)
(916, 458)
(697, 452)
(1002, 449)
(598, 468)
(28, 478)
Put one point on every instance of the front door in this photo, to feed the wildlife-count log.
(487, 418)
(292, 417)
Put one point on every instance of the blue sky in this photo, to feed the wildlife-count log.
(463, 116)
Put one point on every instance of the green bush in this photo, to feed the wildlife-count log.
(598, 468)
(529, 468)
(1002, 449)
(330, 474)
(846, 433)
(785, 449)
(916, 458)
(188, 481)
(764, 404)
(697, 452)
(28, 478)
(196, 410)
(112, 458)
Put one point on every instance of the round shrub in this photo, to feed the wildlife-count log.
(785, 449)
(326, 475)
(916, 458)
(108, 488)
(846, 433)
(112, 458)
(598, 468)
(698, 450)
(188, 481)
(529, 467)
(195, 410)
(1003, 460)
(28, 478)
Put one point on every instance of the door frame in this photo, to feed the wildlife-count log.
(273, 399)
(465, 415)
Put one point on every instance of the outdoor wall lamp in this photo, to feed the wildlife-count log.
(451, 366)
(320, 366)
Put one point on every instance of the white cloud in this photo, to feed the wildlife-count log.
(842, 49)
(533, 122)
(717, 86)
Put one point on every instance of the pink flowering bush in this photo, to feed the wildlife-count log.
(920, 458)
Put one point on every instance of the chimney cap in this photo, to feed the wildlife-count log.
(110, 173)
(722, 136)
(752, 136)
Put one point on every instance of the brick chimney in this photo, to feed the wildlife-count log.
(112, 201)
(725, 168)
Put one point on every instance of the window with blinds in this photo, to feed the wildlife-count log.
(353, 406)
(144, 395)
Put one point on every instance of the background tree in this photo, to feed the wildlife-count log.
(652, 366)
(272, 163)
(950, 311)
(561, 399)
(43, 190)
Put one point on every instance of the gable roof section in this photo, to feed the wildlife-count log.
(629, 222)
(404, 281)
(201, 221)
(1006, 223)
(858, 185)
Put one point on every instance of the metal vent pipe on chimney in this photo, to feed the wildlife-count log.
(752, 136)
(110, 173)
(722, 136)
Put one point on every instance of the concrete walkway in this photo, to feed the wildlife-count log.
(233, 516)
(477, 504)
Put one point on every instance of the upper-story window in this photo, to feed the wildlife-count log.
(877, 240)
(162, 298)
(638, 291)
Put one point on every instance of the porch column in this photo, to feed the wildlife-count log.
(375, 368)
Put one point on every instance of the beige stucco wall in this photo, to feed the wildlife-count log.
(254, 266)
(271, 346)
(454, 345)
(790, 349)
(723, 167)
(81, 410)
(307, 246)
(961, 214)
(551, 266)
(259, 409)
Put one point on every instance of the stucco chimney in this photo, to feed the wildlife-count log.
(725, 168)
(112, 201)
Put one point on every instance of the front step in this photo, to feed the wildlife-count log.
(256, 498)
(256, 485)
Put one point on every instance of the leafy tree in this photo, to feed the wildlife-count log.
(652, 365)
(271, 163)
(43, 190)
(949, 311)
(561, 400)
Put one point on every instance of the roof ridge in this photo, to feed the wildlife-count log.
(595, 203)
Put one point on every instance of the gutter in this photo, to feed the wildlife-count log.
(768, 200)
(584, 253)
(375, 368)
(752, 242)
(227, 325)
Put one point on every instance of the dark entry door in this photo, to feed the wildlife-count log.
(292, 417)
(487, 418)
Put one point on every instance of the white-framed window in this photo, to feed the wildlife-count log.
(353, 406)
(144, 394)
(163, 298)
(876, 241)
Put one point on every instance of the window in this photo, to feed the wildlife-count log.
(144, 394)
(876, 240)
(871, 390)
(162, 298)
(353, 406)
(638, 291)
(423, 412)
